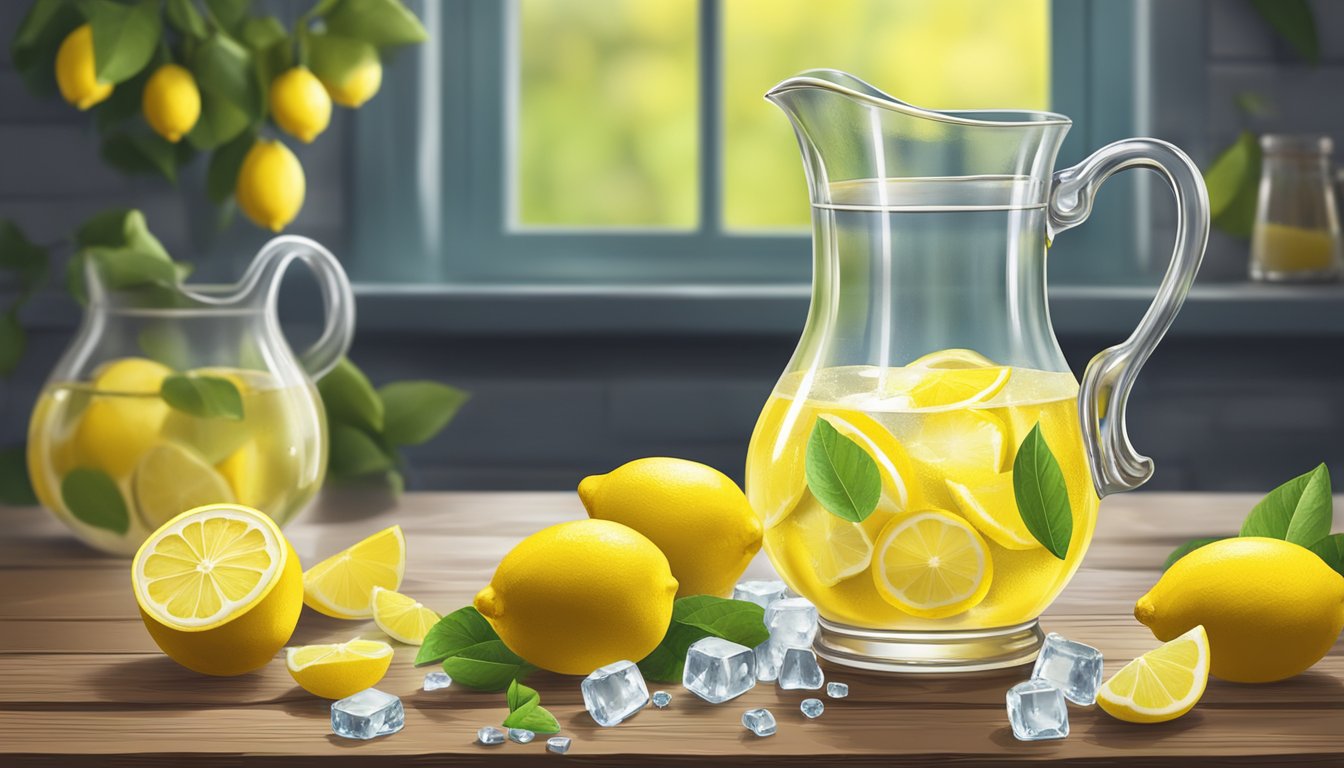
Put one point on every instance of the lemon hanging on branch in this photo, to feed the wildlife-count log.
(299, 104)
(75, 74)
(270, 185)
(171, 102)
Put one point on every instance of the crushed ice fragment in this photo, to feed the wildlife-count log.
(759, 722)
(436, 680)
(521, 735)
(661, 699)
(812, 708)
(490, 735)
(367, 714)
(837, 690)
(558, 744)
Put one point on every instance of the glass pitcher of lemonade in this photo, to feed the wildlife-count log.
(927, 467)
(170, 398)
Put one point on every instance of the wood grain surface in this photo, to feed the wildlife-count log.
(82, 684)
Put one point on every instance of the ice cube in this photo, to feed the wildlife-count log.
(792, 622)
(768, 655)
(1037, 711)
(436, 680)
(614, 692)
(761, 592)
(718, 670)
(490, 735)
(759, 722)
(558, 744)
(812, 708)
(837, 690)
(1073, 668)
(521, 735)
(800, 670)
(661, 699)
(367, 714)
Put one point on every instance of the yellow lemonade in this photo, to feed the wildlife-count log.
(115, 461)
(946, 546)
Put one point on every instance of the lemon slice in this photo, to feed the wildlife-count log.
(953, 358)
(402, 618)
(1162, 684)
(247, 474)
(337, 670)
(992, 509)
(892, 461)
(962, 443)
(838, 548)
(931, 564)
(170, 479)
(342, 585)
(958, 387)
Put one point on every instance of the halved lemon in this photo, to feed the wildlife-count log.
(931, 564)
(401, 617)
(1162, 684)
(838, 548)
(992, 508)
(953, 358)
(967, 442)
(337, 670)
(170, 479)
(958, 387)
(219, 589)
(893, 464)
(342, 585)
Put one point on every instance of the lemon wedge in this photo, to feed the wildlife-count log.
(170, 479)
(337, 670)
(342, 585)
(958, 387)
(838, 548)
(402, 618)
(992, 508)
(1162, 684)
(931, 564)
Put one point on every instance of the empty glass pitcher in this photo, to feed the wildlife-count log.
(927, 467)
(170, 398)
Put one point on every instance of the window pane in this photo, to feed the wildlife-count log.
(607, 112)
(969, 54)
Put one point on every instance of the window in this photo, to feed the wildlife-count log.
(626, 143)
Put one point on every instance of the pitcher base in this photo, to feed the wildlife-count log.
(926, 652)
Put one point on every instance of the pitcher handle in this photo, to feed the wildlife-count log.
(1104, 392)
(262, 282)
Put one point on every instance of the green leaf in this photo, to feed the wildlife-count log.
(1298, 511)
(354, 453)
(122, 268)
(38, 38)
(206, 397)
(1187, 548)
(415, 411)
(124, 36)
(376, 22)
(230, 13)
(1042, 495)
(487, 666)
(12, 342)
(841, 474)
(1233, 182)
(271, 47)
(125, 103)
(141, 153)
(460, 629)
(221, 175)
(350, 398)
(1294, 22)
(120, 228)
(184, 17)
(93, 498)
(15, 487)
(697, 617)
(231, 98)
(1331, 550)
(525, 711)
(331, 57)
(20, 255)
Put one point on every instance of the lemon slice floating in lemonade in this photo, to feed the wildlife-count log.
(342, 585)
(1162, 684)
(931, 564)
(973, 442)
(337, 670)
(838, 549)
(171, 479)
(401, 617)
(953, 358)
(992, 508)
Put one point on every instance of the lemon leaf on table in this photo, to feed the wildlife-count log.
(841, 474)
(460, 629)
(526, 712)
(207, 397)
(695, 618)
(1331, 550)
(1299, 511)
(1187, 548)
(488, 666)
(1042, 495)
(93, 497)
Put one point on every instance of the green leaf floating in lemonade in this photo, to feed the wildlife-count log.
(841, 474)
(208, 397)
(93, 498)
(1298, 511)
(1042, 495)
(526, 712)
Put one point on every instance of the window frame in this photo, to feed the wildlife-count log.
(451, 228)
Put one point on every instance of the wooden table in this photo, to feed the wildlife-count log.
(82, 684)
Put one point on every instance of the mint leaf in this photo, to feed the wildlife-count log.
(1187, 548)
(488, 666)
(207, 397)
(1331, 550)
(526, 712)
(94, 499)
(1042, 495)
(460, 629)
(697, 617)
(841, 474)
(1298, 511)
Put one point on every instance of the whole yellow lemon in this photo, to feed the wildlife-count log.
(580, 595)
(75, 72)
(299, 104)
(171, 102)
(696, 515)
(124, 415)
(358, 85)
(270, 186)
(1271, 608)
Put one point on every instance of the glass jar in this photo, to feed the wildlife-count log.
(1296, 235)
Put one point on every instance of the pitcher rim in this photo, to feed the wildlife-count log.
(883, 100)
